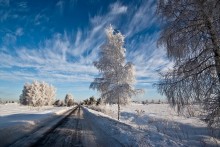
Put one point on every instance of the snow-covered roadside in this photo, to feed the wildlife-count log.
(160, 118)
(127, 134)
(17, 121)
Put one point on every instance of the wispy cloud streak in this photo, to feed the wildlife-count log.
(68, 57)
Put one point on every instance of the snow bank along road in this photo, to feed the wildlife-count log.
(17, 121)
(74, 130)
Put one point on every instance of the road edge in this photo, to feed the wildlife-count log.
(32, 137)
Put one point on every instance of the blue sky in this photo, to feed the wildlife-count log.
(57, 41)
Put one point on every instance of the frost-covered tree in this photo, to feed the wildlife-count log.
(59, 103)
(191, 37)
(92, 100)
(70, 102)
(86, 102)
(99, 101)
(68, 97)
(117, 76)
(37, 94)
(24, 97)
(50, 93)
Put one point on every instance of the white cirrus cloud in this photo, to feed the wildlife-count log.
(117, 8)
(69, 57)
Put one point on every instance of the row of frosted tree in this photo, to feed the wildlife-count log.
(42, 94)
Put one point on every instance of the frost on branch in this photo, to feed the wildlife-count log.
(117, 76)
(191, 38)
(37, 94)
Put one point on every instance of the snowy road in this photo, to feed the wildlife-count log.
(77, 130)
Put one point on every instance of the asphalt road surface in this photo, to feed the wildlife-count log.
(76, 130)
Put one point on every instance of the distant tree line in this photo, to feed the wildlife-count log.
(68, 101)
(92, 101)
(152, 102)
(7, 101)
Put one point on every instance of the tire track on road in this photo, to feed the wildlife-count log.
(65, 133)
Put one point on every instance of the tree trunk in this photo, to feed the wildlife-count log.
(118, 108)
(217, 65)
(216, 46)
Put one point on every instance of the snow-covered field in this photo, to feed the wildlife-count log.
(139, 125)
(17, 120)
(160, 118)
(127, 135)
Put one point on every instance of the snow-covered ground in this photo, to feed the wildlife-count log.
(160, 118)
(139, 125)
(127, 135)
(17, 120)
